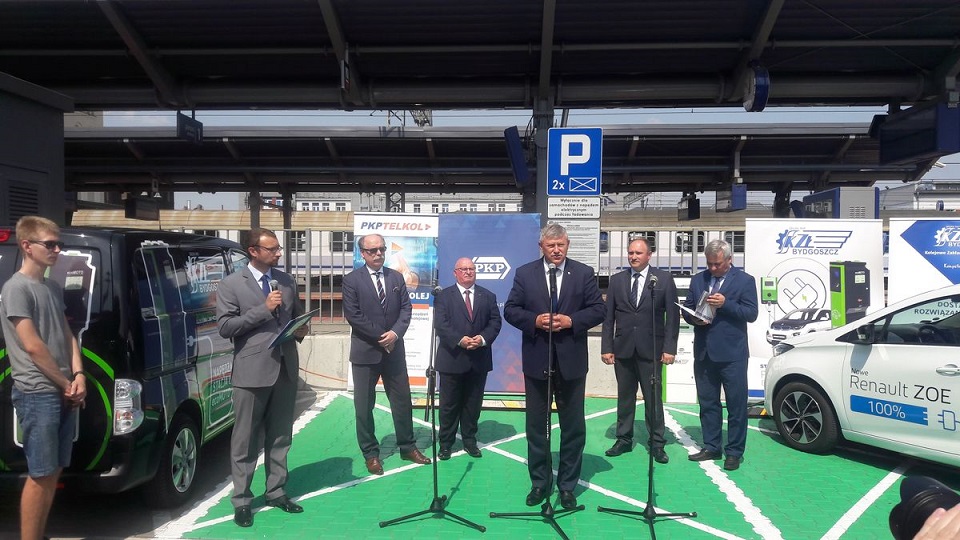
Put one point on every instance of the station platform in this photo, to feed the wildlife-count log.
(777, 493)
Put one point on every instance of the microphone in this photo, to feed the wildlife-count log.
(653, 282)
(274, 286)
(436, 290)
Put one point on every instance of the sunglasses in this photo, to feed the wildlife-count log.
(374, 251)
(49, 244)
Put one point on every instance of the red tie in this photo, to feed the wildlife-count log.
(466, 300)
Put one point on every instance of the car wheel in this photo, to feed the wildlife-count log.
(805, 418)
(173, 482)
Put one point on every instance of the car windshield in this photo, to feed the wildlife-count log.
(800, 315)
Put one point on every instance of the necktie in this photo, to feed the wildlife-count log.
(380, 293)
(716, 285)
(634, 297)
(466, 300)
(554, 301)
(265, 283)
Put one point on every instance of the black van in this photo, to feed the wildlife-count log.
(143, 306)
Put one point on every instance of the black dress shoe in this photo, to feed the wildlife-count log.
(705, 455)
(732, 463)
(568, 500)
(443, 454)
(660, 456)
(285, 504)
(242, 516)
(536, 496)
(472, 451)
(618, 448)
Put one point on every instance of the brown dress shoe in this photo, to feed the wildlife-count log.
(415, 456)
(374, 465)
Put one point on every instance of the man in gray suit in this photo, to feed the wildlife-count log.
(640, 332)
(253, 305)
(377, 306)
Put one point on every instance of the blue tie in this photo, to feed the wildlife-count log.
(265, 282)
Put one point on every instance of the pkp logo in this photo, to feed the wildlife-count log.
(491, 267)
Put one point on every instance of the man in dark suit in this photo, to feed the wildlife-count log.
(576, 308)
(377, 306)
(467, 320)
(639, 333)
(253, 305)
(720, 352)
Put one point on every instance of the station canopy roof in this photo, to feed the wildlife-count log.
(493, 54)
(470, 160)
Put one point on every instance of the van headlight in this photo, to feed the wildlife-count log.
(127, 408)
(781, 348)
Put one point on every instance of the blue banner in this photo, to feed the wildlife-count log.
(497, 244)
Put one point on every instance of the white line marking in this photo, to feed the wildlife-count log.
(189, 521)
(857, 510)
(760, 523)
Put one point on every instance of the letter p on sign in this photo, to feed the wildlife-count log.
(570, 142)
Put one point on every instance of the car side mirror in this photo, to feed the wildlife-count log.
(865, 333)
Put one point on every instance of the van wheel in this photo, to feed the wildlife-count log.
(805, 418)
(178, 466)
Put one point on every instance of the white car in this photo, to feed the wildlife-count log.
(890, 380)
(798, 322)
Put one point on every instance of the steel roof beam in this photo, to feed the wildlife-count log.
(341, 48)
(547, 27)
(760, 41)
(162, 80)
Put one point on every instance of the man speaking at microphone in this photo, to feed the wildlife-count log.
(639, 333)
(253, 306)
(467, 320)
(576, 307)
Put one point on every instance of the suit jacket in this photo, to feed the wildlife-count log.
(368, 320)
(243, 317)
(452, 323)
(579, 298)
(726, 337)
(629, 330)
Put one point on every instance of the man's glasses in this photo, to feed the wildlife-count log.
(277, 249)
(49, 244)
(374, 251)
(466, 270)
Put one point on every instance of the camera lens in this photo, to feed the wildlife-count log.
(919, 497)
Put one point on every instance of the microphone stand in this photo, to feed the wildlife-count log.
(649, 512)
(547, 512)
(437, 506)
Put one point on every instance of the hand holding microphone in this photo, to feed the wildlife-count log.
(275, 298)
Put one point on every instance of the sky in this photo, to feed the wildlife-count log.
(505, 118)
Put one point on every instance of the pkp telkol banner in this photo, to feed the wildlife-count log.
(411, 250)
(497, 244)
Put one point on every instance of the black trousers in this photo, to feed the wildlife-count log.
(397, 385)
(569, 395)
(632, 372)
(461, 398)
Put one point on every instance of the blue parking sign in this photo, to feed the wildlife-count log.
(574, 161)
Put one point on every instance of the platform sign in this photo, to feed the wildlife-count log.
(574, 161)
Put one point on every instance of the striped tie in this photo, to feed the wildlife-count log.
(380, 293)
(466, 299)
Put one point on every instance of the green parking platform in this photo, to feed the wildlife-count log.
(777, 493)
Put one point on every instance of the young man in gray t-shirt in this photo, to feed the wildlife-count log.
(49, 384)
